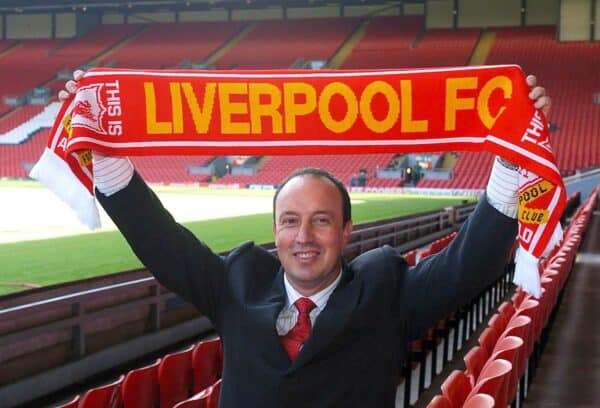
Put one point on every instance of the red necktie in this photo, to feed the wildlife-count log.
(295, 338)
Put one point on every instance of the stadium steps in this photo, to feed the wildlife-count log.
(347, 46)
(568, 374)
(482, 48)
(229, 44)
(10, 48)
(96, 60)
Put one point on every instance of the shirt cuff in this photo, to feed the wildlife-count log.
(503, 189)
(111, 174)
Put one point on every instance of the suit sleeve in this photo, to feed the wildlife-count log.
(474, 259)
(173, 254)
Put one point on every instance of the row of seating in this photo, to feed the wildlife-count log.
(427, 356)
(504, 362)
(186, 379)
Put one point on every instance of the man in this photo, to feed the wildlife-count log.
(306, 329)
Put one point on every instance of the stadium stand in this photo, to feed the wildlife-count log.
(275, 169)
(178, 42)
(577, 138)
(17, 159)
(278, 44)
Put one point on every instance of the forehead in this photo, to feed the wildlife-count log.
(309, 193)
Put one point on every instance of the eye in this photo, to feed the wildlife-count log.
(322, 220)
(288, 221)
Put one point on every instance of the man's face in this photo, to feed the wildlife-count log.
(309, 232)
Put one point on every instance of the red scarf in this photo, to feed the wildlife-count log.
(133, 112)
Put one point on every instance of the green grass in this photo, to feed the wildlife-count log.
(64, 259)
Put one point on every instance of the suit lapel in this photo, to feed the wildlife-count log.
(332, 319)
(268, 313)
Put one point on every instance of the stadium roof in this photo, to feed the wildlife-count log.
(16, 6)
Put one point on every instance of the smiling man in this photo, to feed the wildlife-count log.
(305, 328)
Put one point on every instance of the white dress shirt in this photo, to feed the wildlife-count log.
(289, 314)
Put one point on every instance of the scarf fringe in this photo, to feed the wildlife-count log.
(527, 274)
(54, 172)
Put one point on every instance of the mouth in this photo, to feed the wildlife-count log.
(306, 256)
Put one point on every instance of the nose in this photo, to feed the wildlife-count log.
(305, 232)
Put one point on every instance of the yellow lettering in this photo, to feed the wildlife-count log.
(483, 108)
(228, 108)
(176, 107)
(338, 126)
(154, 127)
(408, 124)
(293, 109)
(366, 98)
(454, 103)
(259, 110)
(201, 117)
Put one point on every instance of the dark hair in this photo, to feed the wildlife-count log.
(316, 172)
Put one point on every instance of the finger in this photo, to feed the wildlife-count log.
(71, 86)
(78, 74)
(531, 80)
(537, 93)
(63, 95)
(544, 103)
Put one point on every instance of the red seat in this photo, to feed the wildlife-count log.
(106, 396)
(530, 308)
(488, 339)
(440, 401)
(199, 400)
(140, 387)
(207, 398)
(175, 377)
(214, 395)
(493, 381)
(474, 361)
(74, 403)
(480, 401)
(510, 348)
(518, 326)
(207, 364)
(456, 388)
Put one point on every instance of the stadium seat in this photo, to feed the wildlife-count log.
(474, 360)
(456, 388)
(175, 377)
(511, 349)
(480, 401)
(199, 400)
(73, 403)
(207, 362)
(214, 395)
(493, 381)
(440, 401)
(488, 339)
(105, 396)
(140, 387)
(207, 398)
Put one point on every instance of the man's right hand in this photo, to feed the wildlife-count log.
(70, 86)
(111, 173)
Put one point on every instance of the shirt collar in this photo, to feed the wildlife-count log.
(320, 298)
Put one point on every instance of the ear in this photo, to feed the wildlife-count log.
(347, 231)
(274, 226)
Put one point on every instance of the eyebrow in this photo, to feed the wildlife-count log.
(294, 213)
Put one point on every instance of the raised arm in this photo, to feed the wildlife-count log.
(476, 257)
(171, 253)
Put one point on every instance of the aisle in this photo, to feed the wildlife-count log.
(569, 370)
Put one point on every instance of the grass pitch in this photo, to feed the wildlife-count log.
(50, 261)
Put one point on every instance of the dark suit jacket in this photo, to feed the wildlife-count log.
(351, 358)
